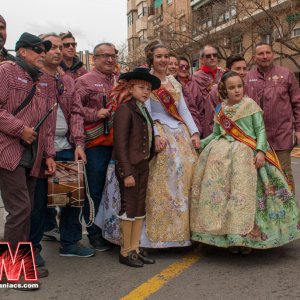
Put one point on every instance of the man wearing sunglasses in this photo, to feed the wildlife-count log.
(4, 55)
(69, 142)
(23, 103)
(93, 87)
(203, 80)
(71, 64)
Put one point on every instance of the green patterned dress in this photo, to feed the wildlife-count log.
(233, 204)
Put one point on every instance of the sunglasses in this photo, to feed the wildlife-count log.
(107, 56)
(213, 55)
(60, 87)
(38, 49)
(67, 45)
(184, 67)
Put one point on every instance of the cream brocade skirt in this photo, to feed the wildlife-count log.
(224, 189)
(168, 195)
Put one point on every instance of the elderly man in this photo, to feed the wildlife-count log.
(23, 103)
(93, 87)
(71, 64)
(69, 146)
(203, 81)
(4, 55)
(236, 63)
(277, 92)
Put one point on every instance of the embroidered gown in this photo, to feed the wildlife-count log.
(233, 204)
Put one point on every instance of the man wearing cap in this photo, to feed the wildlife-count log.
(201, 84)
(93, 87)
(23, 103)
(4, 55)
(69, 145)
(71, 63)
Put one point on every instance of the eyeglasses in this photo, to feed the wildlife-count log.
(106, 56)
(38, 49)
(67, 45)
(184, 67)
(212, 55)
(60, 87)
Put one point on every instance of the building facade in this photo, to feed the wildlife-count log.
(233, 26)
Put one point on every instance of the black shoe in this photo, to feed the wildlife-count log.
(143, 256)
(42, 272)
(132, 260)
(99, 243)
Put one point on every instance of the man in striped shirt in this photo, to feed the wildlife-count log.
(69, 142)
(19, 164)
(92, 88)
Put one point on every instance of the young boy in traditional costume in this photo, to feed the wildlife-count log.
(133, 148)
(240, 197)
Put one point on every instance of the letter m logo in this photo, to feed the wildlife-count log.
(22, 261)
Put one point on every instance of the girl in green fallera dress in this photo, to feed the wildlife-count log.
(240, 197)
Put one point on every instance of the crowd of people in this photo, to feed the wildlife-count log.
(172, 158)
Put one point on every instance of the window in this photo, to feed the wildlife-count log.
(142, 36)
(130, 19)
(237, 44)
(267, 38)
(296, 32)
(142, 9)
(237, 47)
(169, 2)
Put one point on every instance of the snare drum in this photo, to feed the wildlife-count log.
(66, 186)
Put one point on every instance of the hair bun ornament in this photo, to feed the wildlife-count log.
(151, 44)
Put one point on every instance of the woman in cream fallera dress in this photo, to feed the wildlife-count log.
(171, 170)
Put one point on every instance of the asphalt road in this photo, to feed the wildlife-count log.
(214, 274)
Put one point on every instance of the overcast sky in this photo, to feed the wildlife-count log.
(90, 21)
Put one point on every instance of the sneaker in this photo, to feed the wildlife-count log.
(52, 235)
(100, 244)
(76, 250)
(39, 261)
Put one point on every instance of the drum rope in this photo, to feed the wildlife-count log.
(90, 201)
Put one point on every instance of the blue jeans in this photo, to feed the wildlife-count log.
(97, 162)
(69, 225)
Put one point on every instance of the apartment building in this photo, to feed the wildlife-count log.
(235, 26)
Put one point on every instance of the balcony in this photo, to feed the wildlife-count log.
(195, 4)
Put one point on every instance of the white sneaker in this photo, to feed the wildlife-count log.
(52, 235)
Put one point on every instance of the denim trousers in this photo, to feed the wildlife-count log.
(97, 162)
(69, 225)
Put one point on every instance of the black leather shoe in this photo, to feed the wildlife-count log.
(132, 260)
(143, 256)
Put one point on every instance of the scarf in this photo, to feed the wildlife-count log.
(208, 70)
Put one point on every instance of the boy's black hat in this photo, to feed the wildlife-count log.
(28, 40)
(142, 74)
